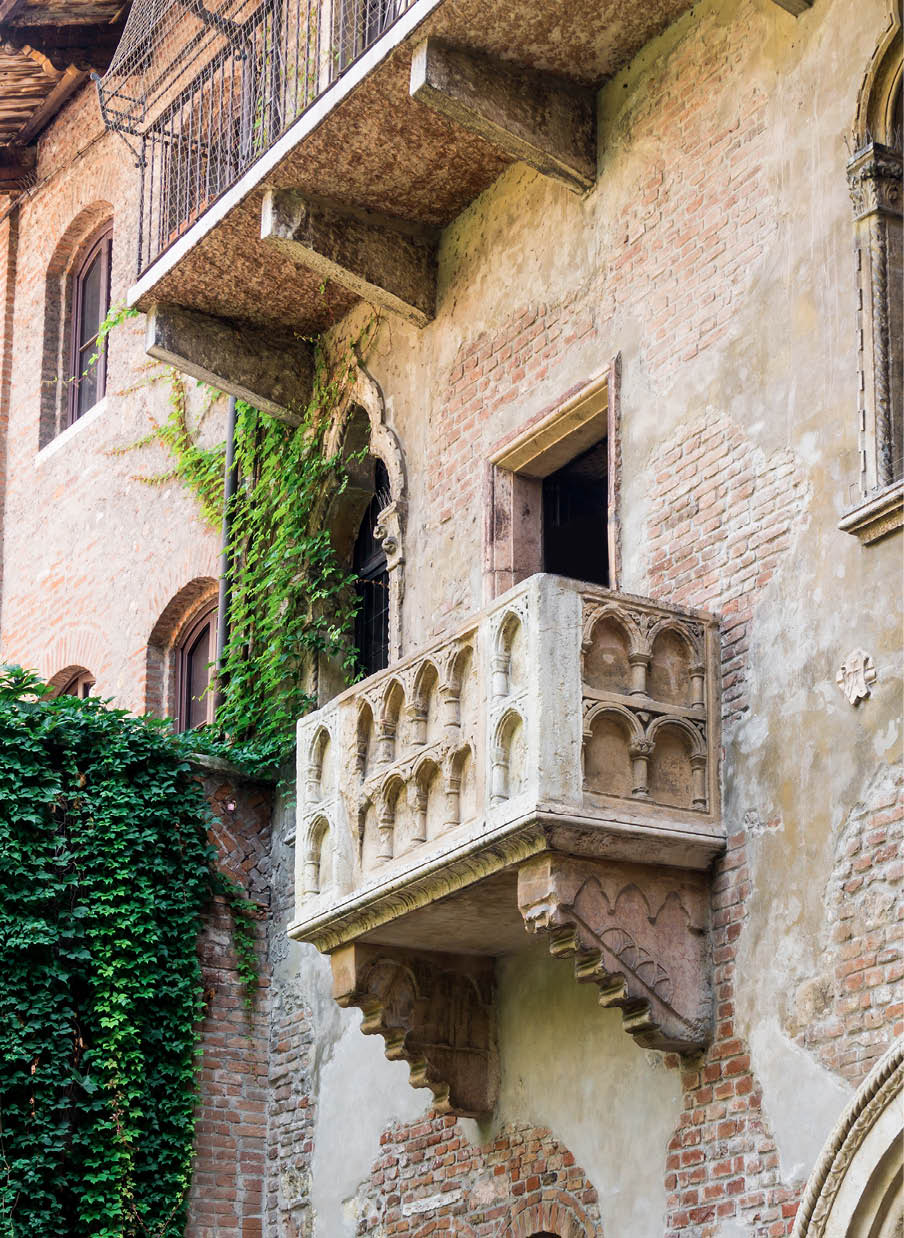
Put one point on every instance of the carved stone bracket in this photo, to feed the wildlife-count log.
(435, 1012)
(637, 932)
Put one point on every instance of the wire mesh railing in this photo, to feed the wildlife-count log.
(201, 93)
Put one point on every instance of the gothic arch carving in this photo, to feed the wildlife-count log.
(856, 1189)
(316, 850)
(875, 182)
(875, 118)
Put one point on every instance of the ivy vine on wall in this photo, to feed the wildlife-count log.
(106, 873)
(291, 599)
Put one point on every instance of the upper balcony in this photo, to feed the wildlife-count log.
(297, 155)
(551, 766)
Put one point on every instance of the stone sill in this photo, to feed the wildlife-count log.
(877, 516)
(65, 436)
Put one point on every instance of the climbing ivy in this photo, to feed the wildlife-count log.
(291, 600)
(105, 875)
(198, 468)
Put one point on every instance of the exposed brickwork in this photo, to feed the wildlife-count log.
(227, 1194)
(290, 1116)
(723, 1161)
(228, 1185)
(854, 1008)
(430, 1179)
(722, 516)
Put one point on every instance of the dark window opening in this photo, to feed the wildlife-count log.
(196, 652)
(369, 565)
(79, 685)
(575, 517)
(90, 305)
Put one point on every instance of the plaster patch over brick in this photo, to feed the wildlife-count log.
(723, 1164)
(848, 1012)
(722, 516)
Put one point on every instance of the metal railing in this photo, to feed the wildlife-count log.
(269, 67)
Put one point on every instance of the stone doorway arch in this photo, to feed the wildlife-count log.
(857, 1187)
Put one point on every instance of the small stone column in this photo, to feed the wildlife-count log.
(640, 752)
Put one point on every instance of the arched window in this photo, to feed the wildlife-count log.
(79, 684)
(195, 653)
(90, 305)
(372, 572)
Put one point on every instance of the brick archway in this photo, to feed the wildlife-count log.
(558, 1217)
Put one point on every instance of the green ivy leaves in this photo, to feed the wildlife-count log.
(106, 871)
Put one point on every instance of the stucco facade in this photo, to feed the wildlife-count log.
(713, 275)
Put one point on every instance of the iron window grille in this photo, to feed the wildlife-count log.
(372, 586)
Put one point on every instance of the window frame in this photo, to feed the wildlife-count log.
(517, 465)
(101, 246)
(78, 685)
(187, 639)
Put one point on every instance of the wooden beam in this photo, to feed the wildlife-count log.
(546, 121)
(84, 47)
(388, 262)
(66, 86)
(8, 9)
(17, 164)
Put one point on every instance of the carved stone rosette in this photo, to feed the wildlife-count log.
(434, 1011)
(637, 932)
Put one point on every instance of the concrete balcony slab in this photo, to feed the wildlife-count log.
(367, 144)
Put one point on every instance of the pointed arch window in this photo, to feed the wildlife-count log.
(372, 572)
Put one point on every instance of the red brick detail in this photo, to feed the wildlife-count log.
(227, 1192)
(722, 516)
(430, 1179)
(290, 1115)
(852, 1010)
(722, 1160)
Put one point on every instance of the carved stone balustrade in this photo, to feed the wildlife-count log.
(550, 768)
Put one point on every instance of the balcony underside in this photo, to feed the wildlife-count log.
(368, 144)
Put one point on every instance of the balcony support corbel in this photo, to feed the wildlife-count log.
(389, 262)
(434, 1011)
(273, 372)
(638, 932)
(544, 120)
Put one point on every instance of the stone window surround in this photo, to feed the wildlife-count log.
(517, 463)
(874, 180)
(84, 231)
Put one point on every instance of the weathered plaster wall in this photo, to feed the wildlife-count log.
(715, 255)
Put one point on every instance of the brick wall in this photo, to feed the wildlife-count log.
(722, 515)
(849, 1013)
(92, 555)
(429, 1179)
(227, 1193)
(676, 254)
(723, 1162)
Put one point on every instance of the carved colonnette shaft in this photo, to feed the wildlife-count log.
(434, 1011)
(638, 932)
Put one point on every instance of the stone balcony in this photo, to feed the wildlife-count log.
(550, 768)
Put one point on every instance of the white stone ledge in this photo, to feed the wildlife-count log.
(66, 436)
